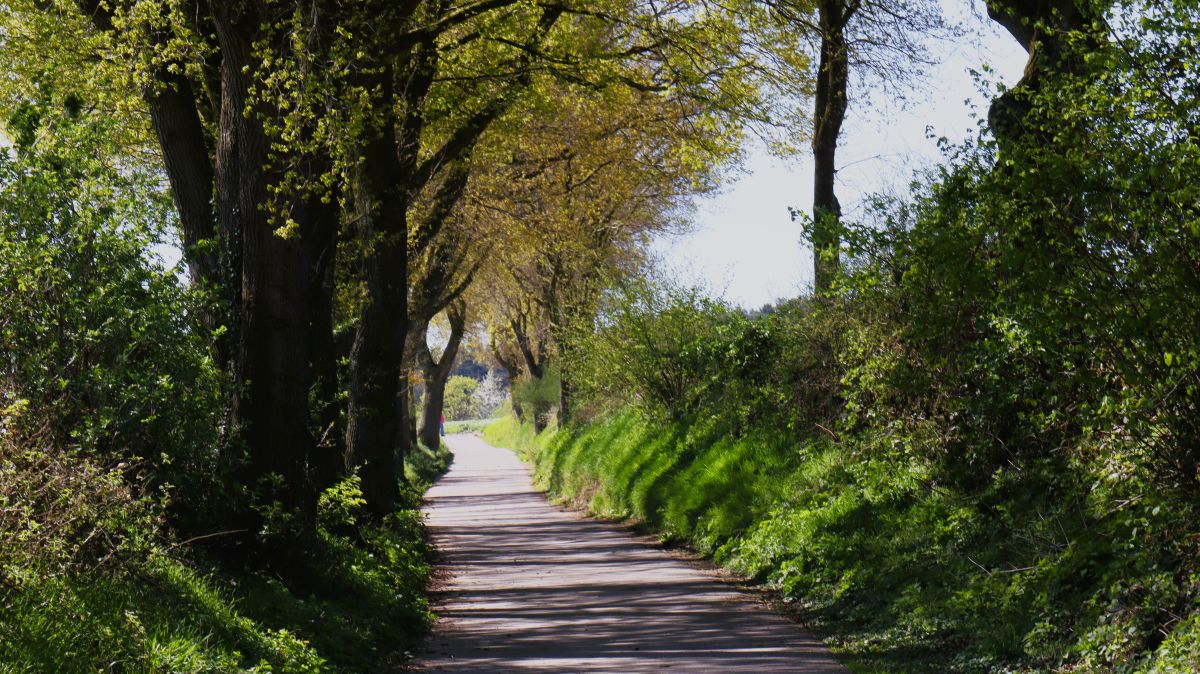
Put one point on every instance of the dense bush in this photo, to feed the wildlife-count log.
(535, 399)
(98, 353)
(979, 453)
(679, 355)
(653, 345)
(460, 401)
(1041, 295)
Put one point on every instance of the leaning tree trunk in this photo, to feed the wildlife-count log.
(429, 431)
(829, 113)
(184, 144)
(1050, 32)
(435, 374)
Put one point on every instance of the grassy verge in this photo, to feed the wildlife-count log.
(468, 425)
(90, 580)
(897, 573)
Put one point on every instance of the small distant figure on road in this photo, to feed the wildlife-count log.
(442, 425)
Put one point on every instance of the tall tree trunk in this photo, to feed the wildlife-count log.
(274, 292)
(553, 304)
(410, 424)
(435, 373)
(378, 349)
(830, 111)
(406, 423)
(283, 338)
(328, 464)
(282, 364)
(390, 164)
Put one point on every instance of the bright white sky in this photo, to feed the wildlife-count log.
(745, 247)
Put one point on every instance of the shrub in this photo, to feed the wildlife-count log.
(460, 402)
(679, 355)
(97, 338)
(535, 399)
(651, 348)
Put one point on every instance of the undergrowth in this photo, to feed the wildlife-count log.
(897, 572)
(92, 579)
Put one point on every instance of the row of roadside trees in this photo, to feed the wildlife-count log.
(344, 173)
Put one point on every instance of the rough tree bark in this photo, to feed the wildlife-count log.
(274, 292)
(406, 429)
(406, 394)
(378, 348)
(284, 296)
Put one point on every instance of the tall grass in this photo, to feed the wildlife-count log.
(896, 572)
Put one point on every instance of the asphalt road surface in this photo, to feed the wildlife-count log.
(528, 587)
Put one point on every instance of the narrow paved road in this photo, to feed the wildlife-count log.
(536, 589)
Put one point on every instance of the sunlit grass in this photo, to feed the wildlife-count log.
(469, 425)
(897, 574)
